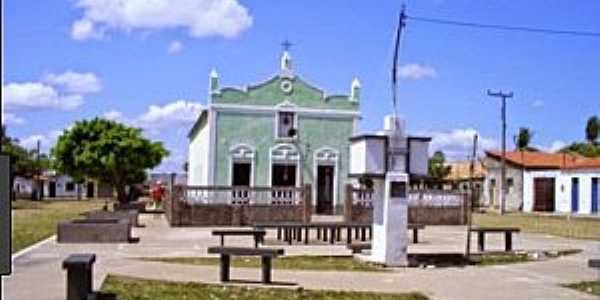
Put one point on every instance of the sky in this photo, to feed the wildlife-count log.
(146, 63)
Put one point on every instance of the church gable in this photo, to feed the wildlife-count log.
(285, 87)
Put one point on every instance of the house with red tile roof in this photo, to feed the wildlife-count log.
(544, 182)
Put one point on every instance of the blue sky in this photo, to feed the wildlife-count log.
(148, 65)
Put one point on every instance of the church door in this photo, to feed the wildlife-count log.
(325, 189)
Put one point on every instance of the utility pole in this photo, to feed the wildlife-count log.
(471, 196)
(503, 96)
(40, 185)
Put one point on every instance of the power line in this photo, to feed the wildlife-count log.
(507, 27)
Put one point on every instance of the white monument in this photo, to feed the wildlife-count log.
(385, 158)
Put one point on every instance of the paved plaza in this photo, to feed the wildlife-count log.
(37, 272)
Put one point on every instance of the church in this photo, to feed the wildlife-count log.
(283, 132)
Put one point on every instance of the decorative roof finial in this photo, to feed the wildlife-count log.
(286, 45)
(213, 82)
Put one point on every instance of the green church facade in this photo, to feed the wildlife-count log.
(279, 133)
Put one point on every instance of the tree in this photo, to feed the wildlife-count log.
(585, 149)
(22, 162)
(523, 138)
(592, 130)
(437, 166)
(108, 152)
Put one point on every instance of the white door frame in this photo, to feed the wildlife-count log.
(326, 156)
(284, 154)
(242, 153)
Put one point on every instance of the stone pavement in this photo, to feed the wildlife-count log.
(38, 275)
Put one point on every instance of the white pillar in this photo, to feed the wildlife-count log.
(390, 222)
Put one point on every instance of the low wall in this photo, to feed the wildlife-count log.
(421, 210)
(416, 215)
(131, 215)
(229, 215)
(94, 231)
(181, 213)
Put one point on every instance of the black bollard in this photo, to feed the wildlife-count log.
(79, 275)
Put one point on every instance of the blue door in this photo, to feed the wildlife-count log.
(595, 192)
(574, 195)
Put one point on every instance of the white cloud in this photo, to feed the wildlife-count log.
(201, 18)
(174, 113)
(537, 103)
(113, 115)
(73, 82)
(173, 163)
(175, 47)
(84, 29)
(55, 91)
(12, 119)
(178, 112)
(36, 95)
(457, 144)
(47, 140)
(416, 71)
(553, 147)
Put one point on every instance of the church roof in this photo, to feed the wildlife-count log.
(283, 88)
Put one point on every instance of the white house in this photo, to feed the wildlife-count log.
(58, 186)
(551, 182)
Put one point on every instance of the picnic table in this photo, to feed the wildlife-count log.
(482, 231)
(327, 231)
(266, 255)
(258, 234)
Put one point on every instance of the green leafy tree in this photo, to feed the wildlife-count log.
(23, 163)
(585, 149)
(592, 130)
(107, 151)
(590, 148)
(437, 166)
(523, 138)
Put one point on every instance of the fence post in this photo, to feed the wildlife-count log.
(307, 202)
(348, 202)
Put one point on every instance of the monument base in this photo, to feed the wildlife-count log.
(369, 258)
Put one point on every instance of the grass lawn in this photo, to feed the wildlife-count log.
(34, 221)
(128, 288)
(492, 259)
(578, 228)
(347, 263)
(590, 287)
(319, 263)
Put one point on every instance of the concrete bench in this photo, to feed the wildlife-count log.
(259, 235)
(95, 231)
(266, 255)
(79, 278)
(508, 232)
(131, 215)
